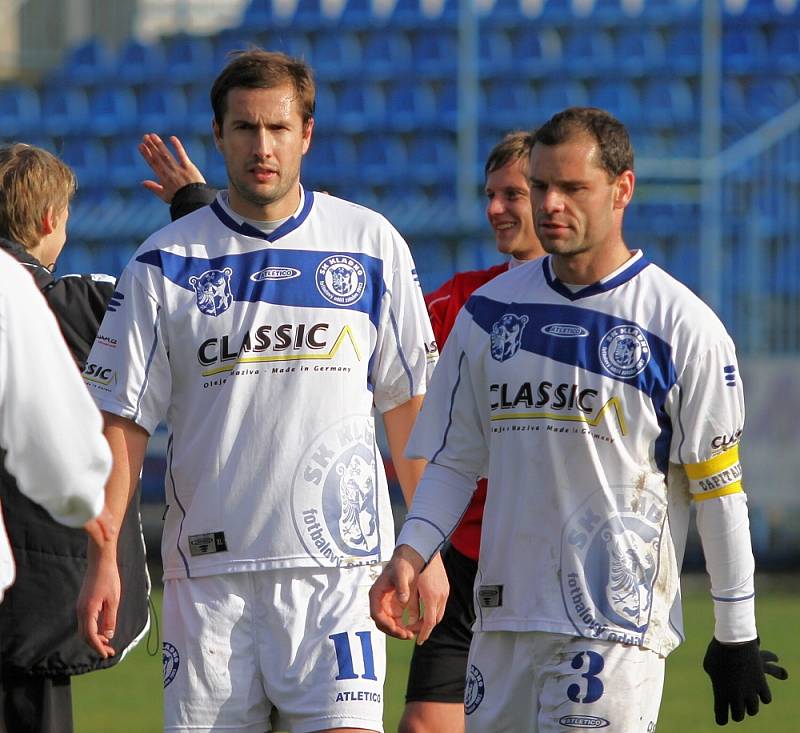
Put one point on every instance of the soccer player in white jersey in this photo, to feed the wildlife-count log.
(264, 328)
(601, 398)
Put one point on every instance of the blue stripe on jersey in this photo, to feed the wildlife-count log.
(450, 410)
(250, 279)
(583, 351)
(594, 288)
(248, 230)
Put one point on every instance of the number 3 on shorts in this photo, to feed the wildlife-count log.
(594, 687)
(344, 655)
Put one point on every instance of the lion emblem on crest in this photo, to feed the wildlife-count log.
(357, 521)
(506, 336)
(213, 291)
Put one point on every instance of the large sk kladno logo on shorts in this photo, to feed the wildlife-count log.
(335, 495)
(609, 561)
(341, 280)
(474, 691)
(171, 660)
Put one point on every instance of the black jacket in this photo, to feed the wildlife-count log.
(38, 622)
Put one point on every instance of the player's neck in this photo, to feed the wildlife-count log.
(585, 268)
(283, 208)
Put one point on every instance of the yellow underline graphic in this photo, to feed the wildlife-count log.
(612, 404)
(345, 332)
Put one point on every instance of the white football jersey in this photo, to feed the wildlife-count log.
(265, 354)
(597, 413)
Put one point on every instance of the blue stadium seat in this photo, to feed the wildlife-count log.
(230, 40)
(139, 62)
(406, 14)
(290, 42)
(325, 107)
(162, 109)
(447, 105)
(669, 103)
(409, 105)
(259, 15)
(503, 14)
(126, 168)
(751, 14)
(215, 172)
(19, 111)
(65, 110)
(670, 13)
(309, 16)
(621, 98)
(337, 56)
(382, 159)
(640, 52)
(331, 159)
(387, 54)
(557, 95)
(685, 49)
(359, 107)
(112, 111)
(744, 51)
(88, 63)
(769, 96)
(785, 49)
(588, 53)
(433, 158)
(557, 13)
(435, 54)
(495, 55)
(358, 15)
(189, 58)
(510, 104)
(198, 110)
(87, 157)
(536, 51)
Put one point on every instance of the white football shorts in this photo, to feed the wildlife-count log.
(296, 646)
(538, 682)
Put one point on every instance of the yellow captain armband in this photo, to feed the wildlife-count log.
(718, 476)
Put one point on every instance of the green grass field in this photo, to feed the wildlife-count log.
(127, 699)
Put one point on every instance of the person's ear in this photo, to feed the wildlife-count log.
(49, 221)
(626, 182)
(217, 135)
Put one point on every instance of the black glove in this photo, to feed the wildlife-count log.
(737, 674)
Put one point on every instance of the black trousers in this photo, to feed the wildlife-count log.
(35, 704)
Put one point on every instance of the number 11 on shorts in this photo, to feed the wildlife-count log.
(344, 655)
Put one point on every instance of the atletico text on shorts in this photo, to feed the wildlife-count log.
(265, 354)
(298, 641)
(597, 414)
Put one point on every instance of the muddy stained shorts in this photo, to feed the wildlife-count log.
(541, 682)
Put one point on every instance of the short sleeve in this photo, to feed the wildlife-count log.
(128, 371)
(405, 351)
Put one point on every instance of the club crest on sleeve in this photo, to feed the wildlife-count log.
(213, 291)
(624, 351)
(341, 280)
(474, 691)
(172, 661)
(506, 336)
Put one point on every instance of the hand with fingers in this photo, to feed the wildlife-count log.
(99, 599)
(395, 592)
(738, 677)
(432, 589)
(172, 172)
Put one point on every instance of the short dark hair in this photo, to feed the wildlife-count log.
(256, 68)
(616, 151)
(32, 180)
(514, 146)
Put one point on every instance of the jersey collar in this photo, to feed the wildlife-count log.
(627, 271)
(248, 230)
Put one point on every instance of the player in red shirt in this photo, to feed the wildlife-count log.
(435, 692)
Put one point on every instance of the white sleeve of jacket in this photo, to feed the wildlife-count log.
(49, 425)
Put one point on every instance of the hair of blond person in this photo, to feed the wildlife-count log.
(256, 68)
(514, 146)
(32, 180)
